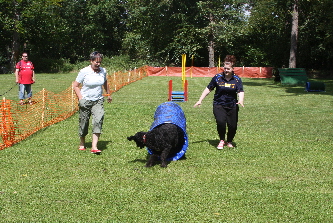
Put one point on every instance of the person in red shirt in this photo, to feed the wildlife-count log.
(25, 76)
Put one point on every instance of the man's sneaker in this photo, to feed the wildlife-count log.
(229, 144)
(221, 145)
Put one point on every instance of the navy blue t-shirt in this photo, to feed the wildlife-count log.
(226, 91)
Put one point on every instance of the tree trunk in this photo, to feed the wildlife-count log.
(211, 50)
(294, 36)
(15, 51)
(16, 36)
(211, 43)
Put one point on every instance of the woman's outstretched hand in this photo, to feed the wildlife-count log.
(197, 104)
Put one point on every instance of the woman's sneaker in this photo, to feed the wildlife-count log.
(229, 144)
(95, 151)
(221, 145)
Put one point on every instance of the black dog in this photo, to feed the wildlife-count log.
(164, 141)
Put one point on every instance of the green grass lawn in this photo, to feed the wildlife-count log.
(281, 170)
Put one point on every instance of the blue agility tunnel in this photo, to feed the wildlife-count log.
(170, 112)
(314, 86)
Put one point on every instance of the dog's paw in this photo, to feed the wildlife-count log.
(149, 165)
(150, 162)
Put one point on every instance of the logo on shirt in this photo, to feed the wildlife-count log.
(223, 84)
(230, 85)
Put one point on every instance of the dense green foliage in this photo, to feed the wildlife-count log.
(157, 32)
(281, 170)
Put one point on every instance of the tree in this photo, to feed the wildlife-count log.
(10, 17)
(225, 22)
(160, 31)
(315, 44)
(77, 28)
(267, 36)
(14, 16)
(294, 35)
(272, 40)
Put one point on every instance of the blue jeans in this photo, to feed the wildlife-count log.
(25, 88)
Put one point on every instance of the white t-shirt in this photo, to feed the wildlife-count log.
(92, 83)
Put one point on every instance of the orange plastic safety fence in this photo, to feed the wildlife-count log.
(118, 80)
(248, 72)
(47, 108)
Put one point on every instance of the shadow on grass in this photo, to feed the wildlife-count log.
(144, 161)
(258, 81)
(214, 142)
(102, 145)
(139, 161)
(302, 90)
(158, 162)
(299, 89)
(290, 89)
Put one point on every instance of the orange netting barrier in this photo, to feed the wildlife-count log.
(250, 72)
(120, 79)
(47, 108)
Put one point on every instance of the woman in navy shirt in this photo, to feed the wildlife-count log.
(225, 104)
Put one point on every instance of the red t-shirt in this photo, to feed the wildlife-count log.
(25, 72)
